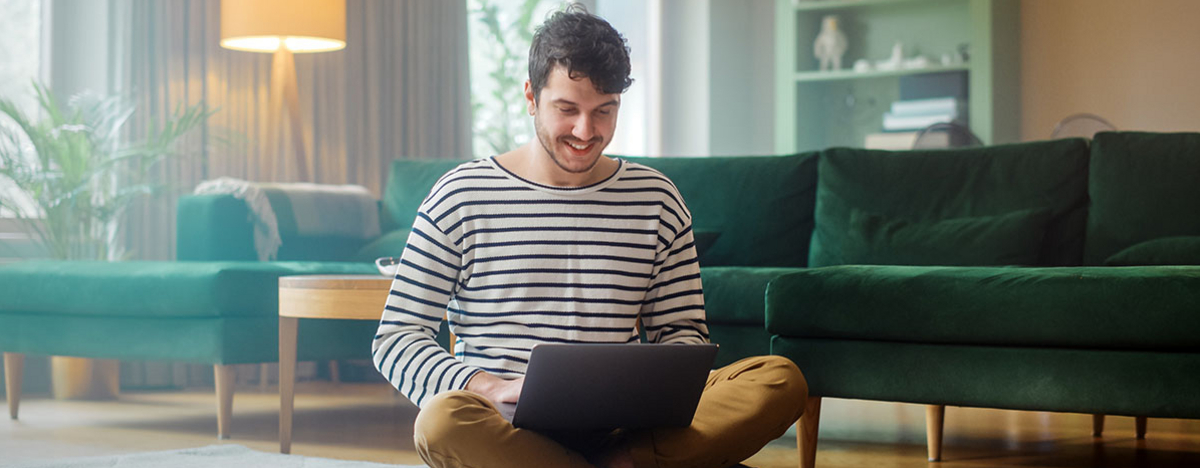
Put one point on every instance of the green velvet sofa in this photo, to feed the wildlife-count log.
(1048, 276)
(218, 305)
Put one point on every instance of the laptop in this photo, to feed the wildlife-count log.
(587, 387)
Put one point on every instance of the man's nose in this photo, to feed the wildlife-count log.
(583, 128)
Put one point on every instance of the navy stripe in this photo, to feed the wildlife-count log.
(404, 370)
(421, 285)
(548, 313)
(675, 280)
(526, 271)
(426, 271)
(677, 265)
(548, 299)
(392, 371)
(473, 189)
(502, 258)
(432, 330)
(559, 242)
(511, 336)
(425, 386)
(691, 292)
(468, 166)
(414, 314)
(673, 310)
(646, 232)
(548, 215)
(616, 287)
(551, 327)
(644, 190)
(488, 356)
(432, 257)
(440, 185)
(434, 241)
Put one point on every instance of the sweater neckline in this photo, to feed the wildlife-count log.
(580, 190)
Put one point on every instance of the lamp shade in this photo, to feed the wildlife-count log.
(299, 25)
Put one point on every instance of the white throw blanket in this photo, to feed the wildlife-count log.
(329, 210)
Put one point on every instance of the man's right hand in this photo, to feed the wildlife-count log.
(495, 389)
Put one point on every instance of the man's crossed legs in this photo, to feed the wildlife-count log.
(745, 405)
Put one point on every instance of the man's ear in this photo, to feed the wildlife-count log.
(530, 99)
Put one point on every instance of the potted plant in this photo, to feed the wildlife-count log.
(75, 172)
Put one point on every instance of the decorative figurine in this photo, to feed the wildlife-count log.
(830, 44)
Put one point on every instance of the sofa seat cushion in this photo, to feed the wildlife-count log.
(1142, 308)
(153, 289)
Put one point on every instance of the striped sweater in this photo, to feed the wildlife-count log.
(511, 263)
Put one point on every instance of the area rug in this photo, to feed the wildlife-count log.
(213, 456)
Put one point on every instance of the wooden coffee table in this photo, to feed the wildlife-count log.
(349, 297)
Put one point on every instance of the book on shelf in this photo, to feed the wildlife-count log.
(892, 123)
(901, 141)
(943, 105)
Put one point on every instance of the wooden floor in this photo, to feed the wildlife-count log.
(370, 422)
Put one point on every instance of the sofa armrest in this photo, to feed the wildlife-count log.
(736, 295)
(214, 227)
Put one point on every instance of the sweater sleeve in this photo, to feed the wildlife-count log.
(673, 311)
(404, 349)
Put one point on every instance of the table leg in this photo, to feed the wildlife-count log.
(287, 380)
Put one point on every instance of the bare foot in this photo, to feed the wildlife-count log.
(617, 457)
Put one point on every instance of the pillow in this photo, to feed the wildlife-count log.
(388, 245)
(704, 240)
(1179, 250)
(1013, 238)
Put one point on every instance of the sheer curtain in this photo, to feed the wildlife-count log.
(398, 90)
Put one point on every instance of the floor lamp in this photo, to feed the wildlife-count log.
(284, 28)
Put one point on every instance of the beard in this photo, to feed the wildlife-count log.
(548, 144)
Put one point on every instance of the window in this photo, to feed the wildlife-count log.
(499, 35)
(20, 61)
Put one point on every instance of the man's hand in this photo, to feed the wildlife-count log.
(495, 389)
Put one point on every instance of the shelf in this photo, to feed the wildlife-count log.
(829, 5)
(844, 75)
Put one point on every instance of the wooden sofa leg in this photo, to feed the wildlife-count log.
(1140, 423)
(806, 435)
(14, 370)
(1097, 425)
(224, 376)
(935, 419)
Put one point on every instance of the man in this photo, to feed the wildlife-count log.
(553, 242)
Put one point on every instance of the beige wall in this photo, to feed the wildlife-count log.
(1136, 63)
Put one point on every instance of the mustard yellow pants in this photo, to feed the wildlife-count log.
(744, 406)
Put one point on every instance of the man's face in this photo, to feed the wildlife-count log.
(574, 122)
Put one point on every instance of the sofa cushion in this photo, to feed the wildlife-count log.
(1013, 238)
(761, 205)
(1143, 186)
(388, 245)
(218, 227)
(408, 183)
(1178, 250)
(155, 289)
(1146, 308)
(937, 185)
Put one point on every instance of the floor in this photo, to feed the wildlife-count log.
(370, 422)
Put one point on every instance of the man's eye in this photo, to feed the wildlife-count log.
(567, 110)
(604, 112)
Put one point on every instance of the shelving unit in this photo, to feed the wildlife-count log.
(817, 110)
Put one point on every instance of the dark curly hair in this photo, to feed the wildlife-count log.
(586, 45)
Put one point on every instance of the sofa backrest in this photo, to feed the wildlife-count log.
(759, 206)
(1144, 187)
(998, 205)
(215, 227)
